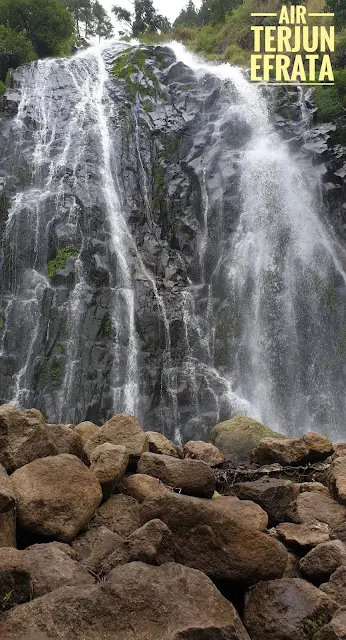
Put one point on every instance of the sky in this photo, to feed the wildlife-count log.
(168, 8)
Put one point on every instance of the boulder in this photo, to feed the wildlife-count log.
(292, 566)
(122, 429)
(272, 494)
(319, 564)
(192, 477)
(15, 579)
(236, 438)
(303, 536)
(85, 430)
(287, 609)
(141, 486)
(7, 511)
(24, 436)
(339, 533)
(316, 506)
(336, 587)
(308, 487)
(140, 601)
(337, 479)
(52, 568)
(242, 512)
(56, 496)
(153, 543)
(158, 443)
(120, 514)
(209, 540)
(312, 447)
(204, 451)
(109, 462)
(65, 439)
(335, 630)
(339, 450)
(94, 546)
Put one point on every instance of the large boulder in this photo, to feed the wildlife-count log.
(24, 436)
(138, 601)
(335, 588)
(56, 496)
(141, 486)
(92, 547)
(15, 578)
(109, 462)
(339, 533)
(158, 443)
(7, 511)
(272, 494)
(236, 438)
(245, 513)
(192, 477)
(65, 439)
(52, 568)
(122, 429)
(198, 450)
(303, 536)
(319, 564)
(337, 479)
(120, 514)
(287, 609)
(312, 447)
(153, 543)
(85, 430)
(335, 630)
(209, 539)
(316, 506)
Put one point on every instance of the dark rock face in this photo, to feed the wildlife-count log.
(118, 203)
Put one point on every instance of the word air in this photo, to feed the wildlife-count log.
(292, 51)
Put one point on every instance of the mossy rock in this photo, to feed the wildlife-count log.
(236, 438)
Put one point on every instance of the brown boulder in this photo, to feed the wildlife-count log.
(94, 546)
(24, 436)
(7, 511)
(85, 430)
(192, 477)
(15, 579)
(158, 443)
(153, 543)
(272, 494)
(52, 568)
(237, 437)
(312, 447)
(140, 486)
(287, 609)
(336, 587)
(319, 564)
(120, 514)
(335, 630)
(198, 450)
(308, 487)
(337, 479)
(56, 496)
(339, 533)
(122, 429)
(209, 540)
(242, 512)
(138, 601)
(65, 439)
(303, 536)
(109, 462)
(292, 566)
(339, 450)
(316, 506)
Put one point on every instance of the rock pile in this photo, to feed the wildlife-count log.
(111, 533)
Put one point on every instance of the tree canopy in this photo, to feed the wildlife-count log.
(145, 18)
(90, 18)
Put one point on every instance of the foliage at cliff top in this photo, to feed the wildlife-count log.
(143, 19)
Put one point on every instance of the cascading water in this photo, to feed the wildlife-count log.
(188, 289)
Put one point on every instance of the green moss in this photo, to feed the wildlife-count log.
(107, 328)
(331, 101)
(3, 205)
(59, 261)
(59, 348)
(311, 625)
(2, 322)
(50, 375)
(236, 438)
(2, 88)
(139, 76)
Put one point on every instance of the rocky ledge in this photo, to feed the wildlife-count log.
(115, 533)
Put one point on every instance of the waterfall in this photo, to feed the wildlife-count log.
(254, 320)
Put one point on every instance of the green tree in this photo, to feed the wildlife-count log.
(47, 24)
(188, 17)
(103, 25)
(204, 13)
(15, 49)
(338, 7)
(220, 8)
(123, 15)
(147, 19)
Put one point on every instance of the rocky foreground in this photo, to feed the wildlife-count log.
(113, 533)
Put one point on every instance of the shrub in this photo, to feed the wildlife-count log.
(15, 49)
(60, 259)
